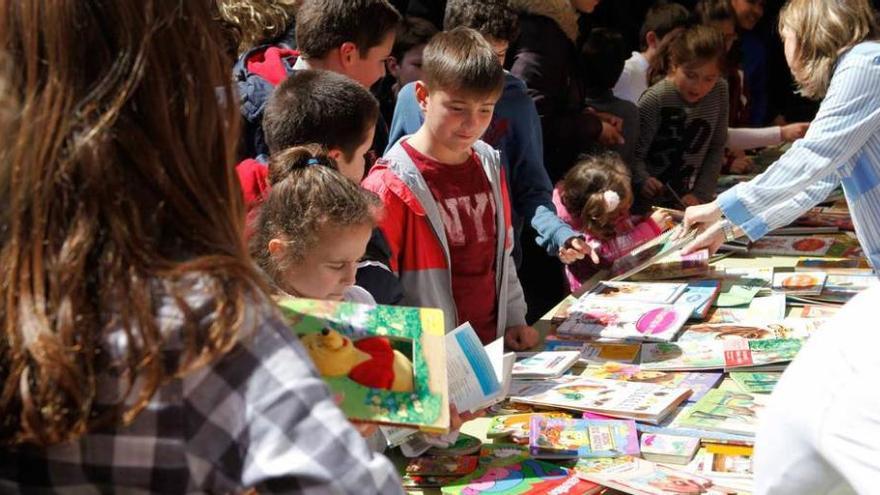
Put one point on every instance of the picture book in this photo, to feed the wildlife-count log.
(840, 288)
(683, 356)
(726, 411)
(478, 376)
(596, 352)
(568, 438)
(809, 245)
(698, 383)
(830, 217)
(756, 383)
(507, 470)
(731, 470)
(799, 283)
(700, 294)
(723, 331)
(641, 477)
(464, 445)
(804, 230)
(670, 449)
(385, 364)
(627, 400)
(834, 265)
(546, 364)
(671, 426)
(442, 466)
(517, 425)
(813, 311)
(572, 485)
(651, 252)
(761, 310)
(645, 292)
(676, 266)
(739, 291)
(741, 353)
(624, 320)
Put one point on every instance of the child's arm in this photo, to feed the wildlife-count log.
(707, 177)
(649, 123)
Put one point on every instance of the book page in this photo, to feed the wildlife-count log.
(473, 382)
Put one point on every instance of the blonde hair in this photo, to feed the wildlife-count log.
(254, 22)
(824, 29)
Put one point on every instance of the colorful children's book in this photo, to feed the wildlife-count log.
(672, 426)
(546, 364)
(683, 356)
(813, 311)
(762, 310)
(799, 283)
(386, 364)
(517, 426)
(723, 331)
(464, 445)
(569, 438)
(670, 449)
(844, 266)
(478, 376)
(810, 245)
(507, 470)
(726, 411)
(840, 288)
(640, 477)
(442, 466)
(756, 383)
(596, 352)
(651, 252)
(676, 266)
(739, 291)
(627, 400)
(699, 383)
(644, 292)
(749, 355)
(820, 217)
(624, 320)
(700, 294)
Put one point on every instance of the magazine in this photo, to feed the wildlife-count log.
(624, 320)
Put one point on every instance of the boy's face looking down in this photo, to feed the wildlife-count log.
(455, 119)
(370, 68)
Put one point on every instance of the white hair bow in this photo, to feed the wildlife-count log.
(612, 200)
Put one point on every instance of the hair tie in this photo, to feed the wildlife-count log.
(313, 161)
(612, 200)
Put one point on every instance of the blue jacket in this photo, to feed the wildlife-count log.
(515, 131)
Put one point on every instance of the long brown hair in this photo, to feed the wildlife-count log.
(583, 190)
(116, 177)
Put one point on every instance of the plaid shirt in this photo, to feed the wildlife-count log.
(258, 417)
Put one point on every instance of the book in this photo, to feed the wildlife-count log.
(787, 328)
(676, 266)
(645, 292)
(753, 354)
(671, 426)
(683, 356)
(626, 400)
(596, 352)
(700, 294)
(670, 449)
(756, 383)
(641, 477)
(804, 230)
(546, 364)
(813, 311)
(624, 320)
(651, 252)
(739, 291)
(517, 426)
(478, 376)
(698, 383)
(464, 445)
(726, 411)
(442, 466)
(799, 283)
(569, 438)
(761, 310)
(840, 288)
(385, 364)
(811, 245)
(844, 266)
(827, 217)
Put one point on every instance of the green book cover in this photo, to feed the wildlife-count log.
(725, 411)
(756, 383)
(376, 359)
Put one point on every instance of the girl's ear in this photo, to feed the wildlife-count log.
(422, 95)
(392, 66)
(651, 39)
(276, 246)
(335, 154)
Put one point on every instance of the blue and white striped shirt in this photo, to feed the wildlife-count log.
(841, 147)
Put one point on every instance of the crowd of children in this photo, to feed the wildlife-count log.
(160, 193)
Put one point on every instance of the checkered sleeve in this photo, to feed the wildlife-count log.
(261, 417)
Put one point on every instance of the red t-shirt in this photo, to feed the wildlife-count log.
(464, 197)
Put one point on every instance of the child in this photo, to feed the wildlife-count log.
(140, 351)
(330, 35)
(595, 198)
(660, 20)
(683, 121)
(447, 216)
(330, 109)
(604, 53)
(313, 227)
(405, 63)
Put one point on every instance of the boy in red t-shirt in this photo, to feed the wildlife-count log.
(447, 212)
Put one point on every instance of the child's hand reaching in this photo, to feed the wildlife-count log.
(521, 337)
(662, 218)
(576, 249)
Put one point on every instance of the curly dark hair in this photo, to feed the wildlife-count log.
(492, 18)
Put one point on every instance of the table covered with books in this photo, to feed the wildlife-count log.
(653, 380)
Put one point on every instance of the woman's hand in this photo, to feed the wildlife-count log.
(793, 132)
(701, 216)
(711, 238)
